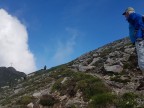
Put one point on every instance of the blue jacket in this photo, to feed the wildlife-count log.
(135, 23)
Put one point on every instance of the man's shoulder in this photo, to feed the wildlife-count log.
(135, 15)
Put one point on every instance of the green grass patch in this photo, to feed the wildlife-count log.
(103, 100)
(89, 85)
(117, 78)
(128, 100)
(24, 100)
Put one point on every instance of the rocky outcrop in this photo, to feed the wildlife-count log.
(115, 63)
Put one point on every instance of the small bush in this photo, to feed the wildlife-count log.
(47, 100)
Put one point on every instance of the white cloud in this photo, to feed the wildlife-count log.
(65, 49)
(14, 44)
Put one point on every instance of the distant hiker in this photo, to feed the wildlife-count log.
(45, 67)
(136, 33)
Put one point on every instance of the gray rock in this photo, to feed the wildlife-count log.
(125, 57)
(64, 80)
(110, 61)
(63, 97)
(114, 68)
(18, 90)
(4, 87)
(116, 85)
(37, 94)
(94, 61)
(30, 105)
(95, 55)
(85, 68)
(113, 54)
(129, 50)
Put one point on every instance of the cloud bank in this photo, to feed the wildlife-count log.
(14, 44)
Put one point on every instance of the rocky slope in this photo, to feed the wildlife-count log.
(107, 77)
(9, 76)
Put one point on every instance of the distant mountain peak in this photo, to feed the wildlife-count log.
(9, 76)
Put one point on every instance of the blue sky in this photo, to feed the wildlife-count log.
(62, 30)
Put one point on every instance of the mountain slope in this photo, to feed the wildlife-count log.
(107, 77)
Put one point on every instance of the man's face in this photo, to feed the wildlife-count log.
(126, 15)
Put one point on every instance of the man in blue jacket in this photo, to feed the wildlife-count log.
(136, 33)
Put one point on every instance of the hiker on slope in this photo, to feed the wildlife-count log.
(136, 33)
